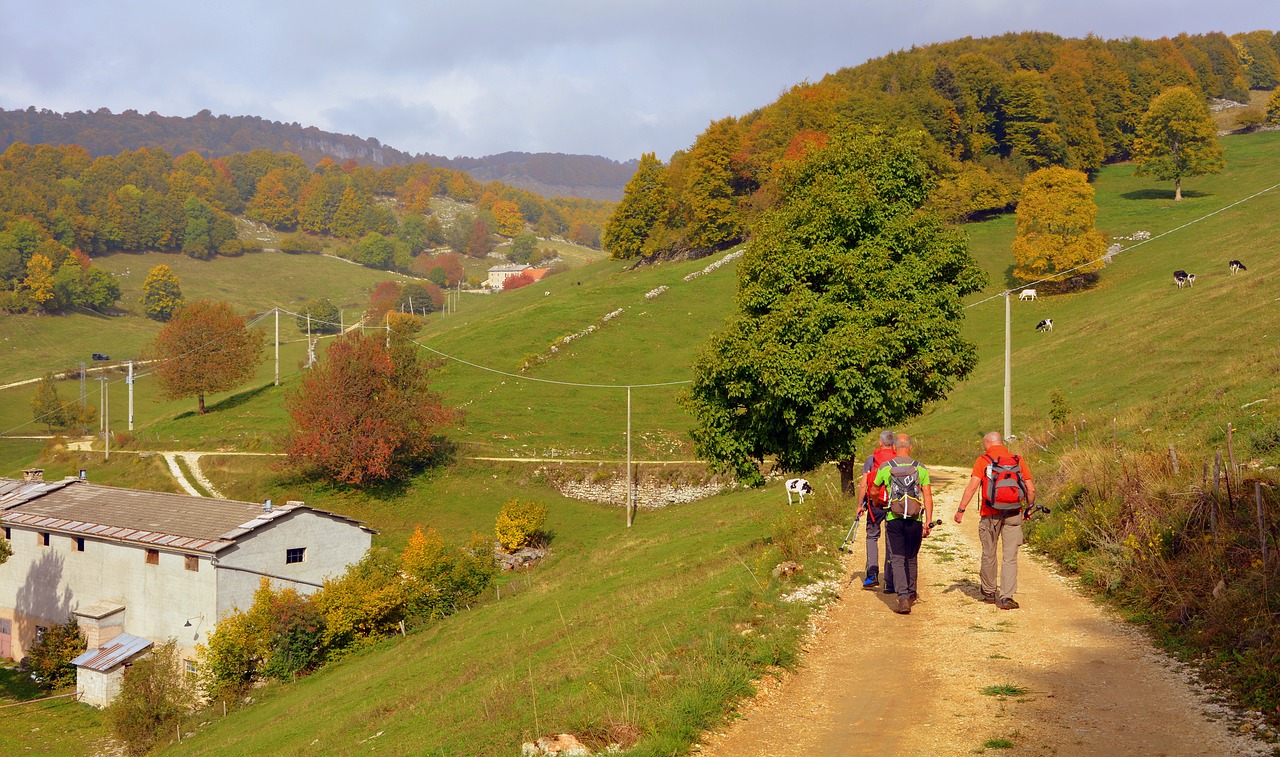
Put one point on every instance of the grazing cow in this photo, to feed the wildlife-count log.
(1236, 265)
(1045, 325)
(1027, 294)
(800, 487)
(1182, 278)
(546, 294)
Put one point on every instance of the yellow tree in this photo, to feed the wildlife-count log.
(508, 218)
(1177, 138)
(1056, 226)
(161, 294)
(39, 280)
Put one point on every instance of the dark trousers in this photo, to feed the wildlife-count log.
(904, 537)
(874, 529)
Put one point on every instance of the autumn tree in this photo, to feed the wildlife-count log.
(848, 314)
(507, 217)
(1177, 138)
(161, 293)
(1273, 108)
(273, 203)
(1056, 226)
(39, 281)
(643, 207)
(366, 413)
(710, 202)
(205, 348)
(47, 406)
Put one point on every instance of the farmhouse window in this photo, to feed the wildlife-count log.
(191, 667)
(7, 536)
(153, 557)
(191, 563)
(79, 543)
(294, 555)
(44, 538)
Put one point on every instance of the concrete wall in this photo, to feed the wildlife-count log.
(332, 545)
(42, 585)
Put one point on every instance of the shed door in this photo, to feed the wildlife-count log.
(6, 639)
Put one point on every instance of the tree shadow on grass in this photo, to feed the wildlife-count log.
(1162, 194)
(17, 685)
(228, 403)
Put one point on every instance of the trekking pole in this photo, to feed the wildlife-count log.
(848, 538)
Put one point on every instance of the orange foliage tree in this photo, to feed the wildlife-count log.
(366, 414)
(205, 348)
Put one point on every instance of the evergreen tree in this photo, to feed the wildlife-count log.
(1177, 138)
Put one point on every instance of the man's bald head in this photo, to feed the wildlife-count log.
(993, 439)
(902, 441)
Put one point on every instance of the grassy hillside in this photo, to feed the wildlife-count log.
(1162, 358)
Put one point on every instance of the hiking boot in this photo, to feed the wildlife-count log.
(1007, 604)
(914, 596)
(904, 606)
(871, 582)
(988, 598)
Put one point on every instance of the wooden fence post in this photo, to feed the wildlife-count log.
(1173, 455)
(1231, 461)
(1075, 431)
(1262, 538)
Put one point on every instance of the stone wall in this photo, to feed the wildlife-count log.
(654, 488)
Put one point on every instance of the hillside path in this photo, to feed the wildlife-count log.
(874, 682)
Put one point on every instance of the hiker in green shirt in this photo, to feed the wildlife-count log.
(910, 515)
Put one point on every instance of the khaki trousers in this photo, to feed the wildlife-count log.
(1007, 530)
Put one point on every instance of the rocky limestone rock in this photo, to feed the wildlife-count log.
(563, 744)
(787, 569)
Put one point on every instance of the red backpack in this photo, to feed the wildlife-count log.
(1003, 487)
(878, 496)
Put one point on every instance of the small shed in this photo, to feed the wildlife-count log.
(99, 671)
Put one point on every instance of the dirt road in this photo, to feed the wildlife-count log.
(1076, 681)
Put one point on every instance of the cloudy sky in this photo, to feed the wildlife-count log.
(476, 77)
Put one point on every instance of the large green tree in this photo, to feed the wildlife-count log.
(1057, 231)
(205, 348)
(848, 313)
(1177, 138)
(643, 207)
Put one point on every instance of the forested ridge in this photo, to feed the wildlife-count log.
(102, 132)
(992, 110)
(60, 207)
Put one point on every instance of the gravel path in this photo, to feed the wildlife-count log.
(874, 682)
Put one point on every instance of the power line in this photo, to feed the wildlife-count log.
(548, 381)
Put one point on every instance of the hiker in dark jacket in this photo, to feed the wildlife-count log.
(871, 501)
(1001, 523)
(910, 500)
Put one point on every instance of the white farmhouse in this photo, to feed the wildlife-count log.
(499, 274)
(136, 567)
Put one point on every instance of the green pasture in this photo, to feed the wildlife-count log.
(1135, 346)
(643, 631)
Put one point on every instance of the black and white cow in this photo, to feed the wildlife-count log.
(1182, 278)
(1236, 265)
(798, 486)
(1045, 325)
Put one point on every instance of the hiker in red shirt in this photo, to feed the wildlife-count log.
(871, 499)
(1007, 489)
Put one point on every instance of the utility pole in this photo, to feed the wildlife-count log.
(84, 398)
(104, 423)
(129, 382)
(1008, 391)
(277, 312)
(631, 500)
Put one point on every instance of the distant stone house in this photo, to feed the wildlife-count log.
(499, 274)
(135, 567)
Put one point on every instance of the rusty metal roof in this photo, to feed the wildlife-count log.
(156, 519)
(114, 652)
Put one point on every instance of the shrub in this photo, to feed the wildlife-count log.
(154, 697)
(520, 524)
(440, 579)
(299, 244)
(49, 660)
(278, 638)
(1059, 410)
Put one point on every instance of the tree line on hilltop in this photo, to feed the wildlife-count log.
(992, 111)
(102, 132)
(60, 207)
